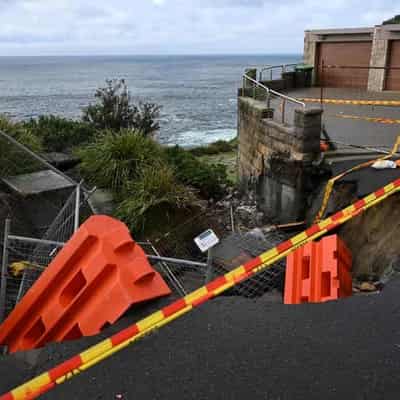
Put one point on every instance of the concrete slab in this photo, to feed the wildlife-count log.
(37, 182)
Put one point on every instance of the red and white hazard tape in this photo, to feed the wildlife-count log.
(103, 350)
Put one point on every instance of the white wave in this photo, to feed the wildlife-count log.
(194, 138)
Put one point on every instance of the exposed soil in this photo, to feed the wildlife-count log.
(374, 237)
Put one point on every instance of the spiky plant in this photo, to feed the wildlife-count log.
(113, 160)
(154, 197)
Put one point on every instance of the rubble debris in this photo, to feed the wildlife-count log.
(368, 287)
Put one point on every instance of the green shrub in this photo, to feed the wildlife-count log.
(14, 161)
(114, 110)
(207, 179)
(220, 146)
(153, 198)
(113, 160)
(20, 133)
(60, 134)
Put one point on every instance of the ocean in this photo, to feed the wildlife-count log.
(197, 93)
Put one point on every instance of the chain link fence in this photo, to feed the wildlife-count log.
(234, 249)
(43, 203)
(24, 258)
(175, 256)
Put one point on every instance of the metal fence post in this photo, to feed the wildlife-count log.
(209, 271)
(77, 206)
(4, 264)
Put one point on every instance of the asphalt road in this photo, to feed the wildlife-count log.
(358, 132)
(235, 348)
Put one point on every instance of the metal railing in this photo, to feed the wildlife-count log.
(283, 68)
(272, 94)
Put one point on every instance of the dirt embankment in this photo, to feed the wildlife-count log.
(374, 237)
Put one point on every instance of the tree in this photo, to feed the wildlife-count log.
(114, 110)
(394, 20)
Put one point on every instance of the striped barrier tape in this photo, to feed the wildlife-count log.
(379, 120)
(81, 362)
(388, 103)
(332, 181)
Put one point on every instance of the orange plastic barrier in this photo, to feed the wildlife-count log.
(94, 279)
(318, 272)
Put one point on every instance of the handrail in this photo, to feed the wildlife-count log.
(274, 93)
(270, 68)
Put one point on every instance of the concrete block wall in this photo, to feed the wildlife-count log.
(379, 56)
(276, 159)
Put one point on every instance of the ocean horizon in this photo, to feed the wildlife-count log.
(197, 93)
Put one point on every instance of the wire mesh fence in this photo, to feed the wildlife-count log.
(183, 276)
(174, 255)
(24, 258)
(43, 203)
(233, 250)
(14, 160)
(237, 248)
(61, 230)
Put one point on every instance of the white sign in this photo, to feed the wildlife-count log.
(206, 240)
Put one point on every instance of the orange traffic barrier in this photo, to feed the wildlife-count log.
(318, 272)
(323, 146)
(94, 279)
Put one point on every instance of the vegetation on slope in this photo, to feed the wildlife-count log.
(114, 141)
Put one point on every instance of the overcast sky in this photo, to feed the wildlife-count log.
(52, 27)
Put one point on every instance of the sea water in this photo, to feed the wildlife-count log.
(197, 93)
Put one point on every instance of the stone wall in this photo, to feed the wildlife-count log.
(276, 159)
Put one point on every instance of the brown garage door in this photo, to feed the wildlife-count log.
(336, 56)
(393, 75)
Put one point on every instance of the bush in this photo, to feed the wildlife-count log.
(60, 134)
(221, 146)
(20, 133)
(114, 110)
(113, 160)
(207, 179)
(153, 198)
(14, 161)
